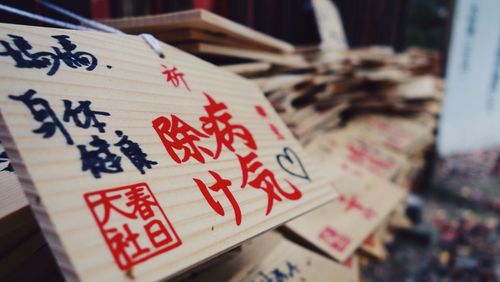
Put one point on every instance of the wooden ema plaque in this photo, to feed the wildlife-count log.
(140, 166)
(270, 257)
(398, 134)
(374, 243)
(364, 202)
(215, 29)
(289, 262)
(356, 150)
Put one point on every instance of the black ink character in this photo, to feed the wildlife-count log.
(292, 269)
(21, 53)
(76, 59)
(264, 277)
(25, 59)
(277, 275)
(83, 116)
(3, 159)
(100, 160)
(42, 112)
(134, 153)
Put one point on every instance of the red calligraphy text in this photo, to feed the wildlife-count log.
(174, 77)
(132, 223)
(265, 180)
(274, 129)
(217, 123)
(219, 185)
(182, 142)
(180, 139)
(369, 241)
(352, 203)
(334, 239)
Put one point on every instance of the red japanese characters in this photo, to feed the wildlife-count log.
(132, 223)
(334, 239)
(174, 77)
(182, 142)
(369, 241)
(360, 154)
(260, 110)
(351, 202)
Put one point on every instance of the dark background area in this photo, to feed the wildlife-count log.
(400, 24)
(396, 23)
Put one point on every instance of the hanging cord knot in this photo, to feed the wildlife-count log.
(153, 43)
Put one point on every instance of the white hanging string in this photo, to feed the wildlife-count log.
(153, 43)
(88, 22)
(91, 24)
(43, 18)
(150, 39)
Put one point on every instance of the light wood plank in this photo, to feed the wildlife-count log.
(201, 20)
(290, 60)
(134, 91)
(248, 68)
(339, 228)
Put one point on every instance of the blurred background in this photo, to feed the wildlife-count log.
(455, 202)
(396, 23)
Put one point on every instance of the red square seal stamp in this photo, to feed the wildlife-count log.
(132, 223)
(334, 239)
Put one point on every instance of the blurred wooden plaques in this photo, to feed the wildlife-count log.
(356, 148)
(185, 36)
(391, 74)
(374, 243)
(352, 263)
(398, 134)
(290, 60)
(282, 81)
(117, 152)
(339, 228)
(305, 121)
(418, 88)
(398, 218)
(248, 68)
(234, 261)
(210, 24)
(270, 257)
(294, 262)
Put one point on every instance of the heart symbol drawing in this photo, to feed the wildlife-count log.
(289, 156)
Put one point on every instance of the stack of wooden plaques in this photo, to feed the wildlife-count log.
(368, 115)
(214, 38)
(270, 257)
(366, 81)
(364, 118)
